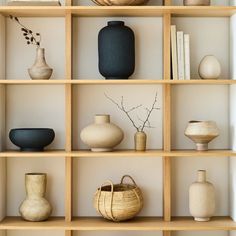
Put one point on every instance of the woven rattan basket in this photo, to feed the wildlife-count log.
(118, 202)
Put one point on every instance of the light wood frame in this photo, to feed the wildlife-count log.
(165, 224)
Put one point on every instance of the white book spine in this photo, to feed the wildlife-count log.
(180, 54)
(174, 53)
(187, 56)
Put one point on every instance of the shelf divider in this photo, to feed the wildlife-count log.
(68, 121)
(167, 121)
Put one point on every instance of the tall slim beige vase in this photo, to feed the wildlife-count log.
(202, 198)
(35, 207)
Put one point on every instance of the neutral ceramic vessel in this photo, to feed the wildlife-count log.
(209, 68)
(202, 132)
(32, 139)
(202, 198)
(197, 2)
(35, 207)
(120, 2)
(40, 70)
(140, 140)
(102, 135)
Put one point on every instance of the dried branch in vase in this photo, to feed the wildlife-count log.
(144, 123)
(29, 35)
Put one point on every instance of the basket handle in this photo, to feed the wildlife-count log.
(128, 176)
(99, 195)
(96, 2)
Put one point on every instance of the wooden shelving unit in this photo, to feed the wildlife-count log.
(167, 223)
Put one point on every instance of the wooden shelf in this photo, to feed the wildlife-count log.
(105, 82)
(120, 153)
(33, 11)
(138, 224)
(47, 153)
(122, 11)
(30, 82)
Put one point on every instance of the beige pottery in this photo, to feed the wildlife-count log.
(201, 132)
(40, 70)
(140, 140)
(102, 136)
(202, 198)
(197, 2)
(35, 207)
(209, 68)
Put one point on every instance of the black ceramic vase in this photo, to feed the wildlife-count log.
(116, 50)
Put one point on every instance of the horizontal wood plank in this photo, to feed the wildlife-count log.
(138, 224)
(95, 11)
(120, 153)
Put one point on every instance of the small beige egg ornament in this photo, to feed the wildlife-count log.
(209, 68)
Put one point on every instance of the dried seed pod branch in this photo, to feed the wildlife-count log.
(146, 122)
(29, 35)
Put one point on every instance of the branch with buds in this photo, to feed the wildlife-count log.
(29, 35)
(144, 123)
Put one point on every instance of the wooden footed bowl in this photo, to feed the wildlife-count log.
(120, 2)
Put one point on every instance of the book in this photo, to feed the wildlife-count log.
(180, 54)
(186, 56)
(174, 53)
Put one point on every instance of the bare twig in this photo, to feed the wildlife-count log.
(145, 123)
(149, 114)
(122, 108)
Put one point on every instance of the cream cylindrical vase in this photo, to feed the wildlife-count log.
(140, 139)
(40, 70)
(35, 207)
(202, 198)
(102, 135)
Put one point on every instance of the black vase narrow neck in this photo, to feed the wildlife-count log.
(115, 23)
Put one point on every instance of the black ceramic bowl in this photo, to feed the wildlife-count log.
(32, 139)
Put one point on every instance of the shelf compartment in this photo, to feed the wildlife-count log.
(138, 224)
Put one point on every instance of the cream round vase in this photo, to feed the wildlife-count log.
(35, 207)
(102, 135)
(209, 68)
(202, 198)
(202, 132)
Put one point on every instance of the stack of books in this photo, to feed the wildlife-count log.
(180, 54)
